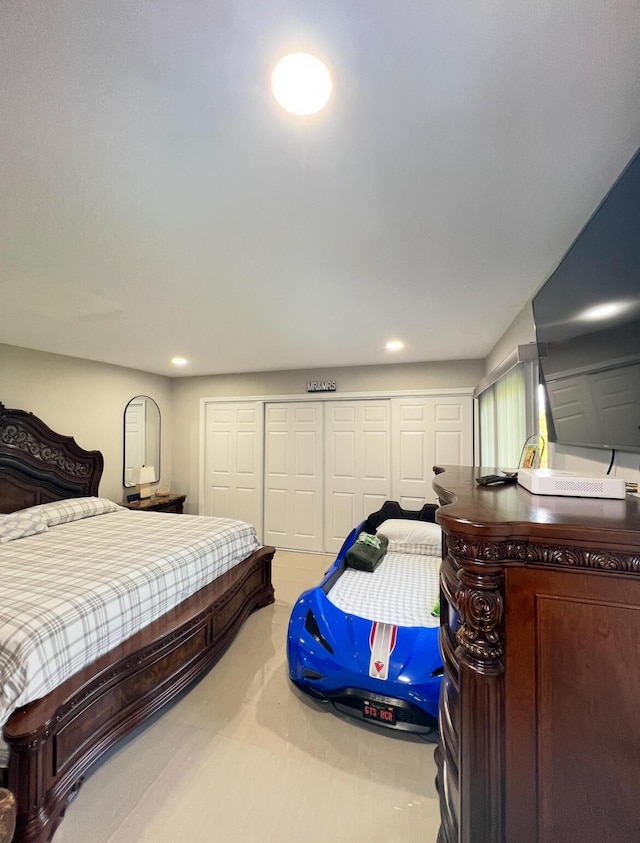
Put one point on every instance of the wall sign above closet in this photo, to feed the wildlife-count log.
(321, 386)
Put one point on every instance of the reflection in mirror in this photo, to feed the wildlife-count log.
(141, 437)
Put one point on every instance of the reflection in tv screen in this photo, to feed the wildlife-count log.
(587, 318)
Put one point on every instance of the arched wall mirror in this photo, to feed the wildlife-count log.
(141, 437)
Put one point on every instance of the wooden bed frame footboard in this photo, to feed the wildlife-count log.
(54, 741)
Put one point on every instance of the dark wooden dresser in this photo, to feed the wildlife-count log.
(540, 636)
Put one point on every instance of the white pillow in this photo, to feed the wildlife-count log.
(408, 536)
(73, 509)
(18, 525)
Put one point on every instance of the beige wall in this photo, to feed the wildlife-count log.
(85, 400)
(188, 392)
(520, 332)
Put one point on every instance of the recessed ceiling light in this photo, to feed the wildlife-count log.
(301, 83)
(394, 345)
(179, 361)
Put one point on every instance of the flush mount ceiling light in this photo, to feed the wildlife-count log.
(301, 83)
(178, 361)
(394, 345)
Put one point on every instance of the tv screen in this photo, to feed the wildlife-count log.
(587, 319)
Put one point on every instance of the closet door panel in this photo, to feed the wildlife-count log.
(246, 453)
(342, 455)
(233, 461)
(341, 508)
(358, 465)
(294, 475)
(375, 462)
(276, 453)
(276, 505)
(219, 497)
(448, 447)
(428, 430)
(452, 430)
(304, 514)
(372, 503)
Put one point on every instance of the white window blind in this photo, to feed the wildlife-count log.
(488, 451)
(503, 419)
(511, 417)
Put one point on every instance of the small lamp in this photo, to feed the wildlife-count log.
(143, 476)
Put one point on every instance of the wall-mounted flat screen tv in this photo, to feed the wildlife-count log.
(587, 318)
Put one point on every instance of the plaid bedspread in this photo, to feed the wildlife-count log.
(402, 591)
(72, 593)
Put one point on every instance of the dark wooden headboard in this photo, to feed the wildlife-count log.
(38, 465)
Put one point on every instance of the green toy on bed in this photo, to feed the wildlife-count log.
(367, 552)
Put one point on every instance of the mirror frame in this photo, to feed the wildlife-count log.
(153, 405)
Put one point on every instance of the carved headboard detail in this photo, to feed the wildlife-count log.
(38, 465)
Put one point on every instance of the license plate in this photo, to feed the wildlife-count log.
(380, 713)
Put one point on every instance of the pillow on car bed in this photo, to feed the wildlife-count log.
(367, 552)
(408, 536)
(19, 525)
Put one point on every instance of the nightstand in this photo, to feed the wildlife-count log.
(163, 503)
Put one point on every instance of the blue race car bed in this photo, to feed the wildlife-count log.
(366, 638)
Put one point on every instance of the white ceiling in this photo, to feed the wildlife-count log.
(156, 200)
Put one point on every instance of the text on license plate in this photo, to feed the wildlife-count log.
(381, 713)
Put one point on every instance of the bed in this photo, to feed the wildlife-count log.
(50, 742)
(365, 640)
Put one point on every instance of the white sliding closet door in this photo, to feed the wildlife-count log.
(293, 499)
(305, 473)
(357, 465)
(428, 431)
(233, 461)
